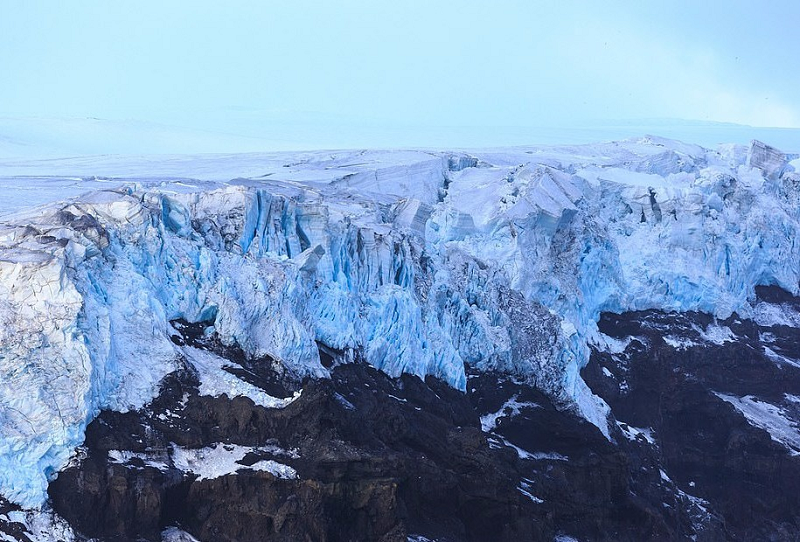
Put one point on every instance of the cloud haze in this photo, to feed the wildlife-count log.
(410, 62)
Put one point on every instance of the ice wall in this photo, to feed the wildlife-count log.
(501, 259)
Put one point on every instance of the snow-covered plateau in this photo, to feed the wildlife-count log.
(413, 261)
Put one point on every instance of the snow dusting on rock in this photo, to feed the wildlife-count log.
(216, 381)
(224, 459)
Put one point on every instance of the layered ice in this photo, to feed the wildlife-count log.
(412, 261)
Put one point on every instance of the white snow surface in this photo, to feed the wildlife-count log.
(718, 334)
(525, 489)
(223, 459)
(780, 359)
(419, 261)
(216, 381)
(771, 418)
(173, 534)
(42, 526)
(634, 433)
(510, 408)
(124, 457)
(768, 314)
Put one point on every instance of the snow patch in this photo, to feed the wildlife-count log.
(347, 405)
(780, 359)
(771, 418)
(637, 433)
(154, 460)
(216, 381)
(679, 343)
(173, 534)
(792, 398)
(769, 314)
(510, 408)
(43, 525)
(548, 456)
(606, 343)
(223, 459)
(717, 334)
(524, 487)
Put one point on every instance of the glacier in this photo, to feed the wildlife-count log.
(413, 261)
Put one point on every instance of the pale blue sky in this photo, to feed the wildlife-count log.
(492, 63)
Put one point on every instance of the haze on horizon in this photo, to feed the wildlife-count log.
(404, 63)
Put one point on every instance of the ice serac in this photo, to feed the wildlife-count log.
(768, 159)
(415, 262)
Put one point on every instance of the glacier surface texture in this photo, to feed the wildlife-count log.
(413, 261)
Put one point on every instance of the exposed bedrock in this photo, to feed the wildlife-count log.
(363, 456)
(374, 458)
(716, 403)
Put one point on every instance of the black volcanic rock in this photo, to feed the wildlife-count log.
(376, 457)
(703, 444)
(589, 488)
(380, 458)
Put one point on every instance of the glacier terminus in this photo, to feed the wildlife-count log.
(431, 263)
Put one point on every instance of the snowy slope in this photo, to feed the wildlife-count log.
(414, 261)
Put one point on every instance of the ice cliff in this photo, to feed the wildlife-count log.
(412, 261)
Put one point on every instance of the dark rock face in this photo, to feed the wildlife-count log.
(380, 458)
(688, 396)
(585, 486)
(377, 458)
